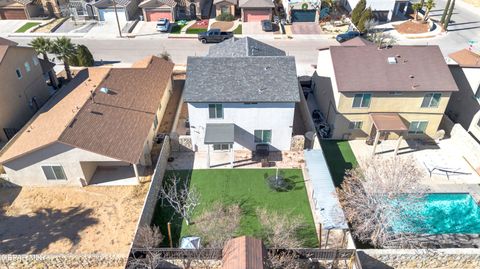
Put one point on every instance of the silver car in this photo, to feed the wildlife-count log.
(163, 25)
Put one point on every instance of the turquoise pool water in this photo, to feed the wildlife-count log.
(444, 214)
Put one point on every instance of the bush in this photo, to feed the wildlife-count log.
(225, 17)
(82, 57)
(358, 11)
(367, 15)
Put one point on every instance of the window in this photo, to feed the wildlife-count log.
(431, 100)
(477, 94)
(54, 172)
(417, 127)
(35, 60)
(155, 122)
(263, 136)
(27, 67)
(215, 111)
(225, 10)
(362, 100)
(220, 147)
(355, 125)
(19, 74)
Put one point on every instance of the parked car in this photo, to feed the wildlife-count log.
(163, 25)
(267, 25)
(347, 36)
(214, 36)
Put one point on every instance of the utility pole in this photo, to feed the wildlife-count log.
(116, 16)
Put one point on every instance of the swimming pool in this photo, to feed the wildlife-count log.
(455, 213)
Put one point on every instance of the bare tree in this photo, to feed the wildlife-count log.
(280, 230)
(382, 200)
(147, 238)
(181, 197)
(218, 224)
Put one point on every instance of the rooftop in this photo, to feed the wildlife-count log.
(256, 4)
(397, 68)
(247, 46)
(466, 58)
(115, 123)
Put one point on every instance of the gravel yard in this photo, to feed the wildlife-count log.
(92, 219)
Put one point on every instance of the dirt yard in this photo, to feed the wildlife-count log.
(222, 25)
(410, 27)
(69, 220)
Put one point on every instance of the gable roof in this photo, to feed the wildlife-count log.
(241, 79)
(366, 68)
(256, 4)
(113, 124)
(466, 58)
(247, 46)
(157, 3)
(233, 2)
(109, 3)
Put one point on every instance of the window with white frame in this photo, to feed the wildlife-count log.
(431, 100)
(362, 100)
(27, 67)
(215, 111)
(221, 147)
(417, 127)
(263, 136)
(19, 73)
(35, 60)
(54, 172)
(355, 125)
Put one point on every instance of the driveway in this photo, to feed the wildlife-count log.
(105, 29)
(253, 28)
(148, 28)
(306, 28)
(10, 26)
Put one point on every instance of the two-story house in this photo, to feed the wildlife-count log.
(367, 91)
(464, 105)
(23, 87)
(242, 94)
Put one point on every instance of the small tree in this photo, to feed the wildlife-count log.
(181, 197)
(147, 238)
(428, 6)
(166, 56)
(218, 224)
(449, 16)
(65, 50)
(42, 46)
(280, 230)
(416, 7)
(383, 194)
(367, 16)
(358, 11)
(445, 12)
(84, 56)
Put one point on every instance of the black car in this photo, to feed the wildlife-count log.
(214, 36)
(347, 36)
(267, 25)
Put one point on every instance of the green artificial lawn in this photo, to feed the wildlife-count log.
(196, 30)
(248, 188)
(176, 29)
(26, 26)
(238, 30)
(339, 157)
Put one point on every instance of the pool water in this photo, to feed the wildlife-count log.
(444, 214)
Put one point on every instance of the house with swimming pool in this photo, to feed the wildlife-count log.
(240, 95)
(366, 91)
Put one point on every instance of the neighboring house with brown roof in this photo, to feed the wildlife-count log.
(464, 105)
(97, 129)
(256, 10)
(105, 11)
(20, 9)
(24, 89)
(244, 252)
(397, 91)
(153, 10)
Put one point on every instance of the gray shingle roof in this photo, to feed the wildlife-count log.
(255, 4)
(241, 79)
(243, 47)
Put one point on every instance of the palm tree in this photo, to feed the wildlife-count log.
(429, 5)
(416, 7)
(449, 16)
(42, 46)
(64, 49)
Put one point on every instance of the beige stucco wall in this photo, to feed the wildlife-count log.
(15, 94)
(27, 170)
(218, 8)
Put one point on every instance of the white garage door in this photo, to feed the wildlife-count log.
(109, 15)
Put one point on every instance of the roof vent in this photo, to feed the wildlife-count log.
(411, 76)
(267, 68)
(392, 60)
(104, 90)
(261, 90)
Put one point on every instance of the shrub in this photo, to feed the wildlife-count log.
(367, 15)
(82, 57)
(225, 17)
(358, 11)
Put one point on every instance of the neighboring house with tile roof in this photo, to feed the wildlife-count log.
(20, 9)
(464, 105)
(153, 10)
(399, 91)
(237, 100)
(256, 10)
(105, 11)
(97, 129)
(24, 89)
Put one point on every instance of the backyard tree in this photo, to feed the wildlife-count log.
(367, 16)
(382, 200)
(147, 238)
(428, 7)
(65, 50)
(416, 8)
(42, 46)
(218, 224)
(357, 11)
(180, 196)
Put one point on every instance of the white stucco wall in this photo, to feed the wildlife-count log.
(27, 170)
(277, 117)
(325, 69)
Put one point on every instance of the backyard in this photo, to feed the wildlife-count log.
(248, 188)
(339, 157)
